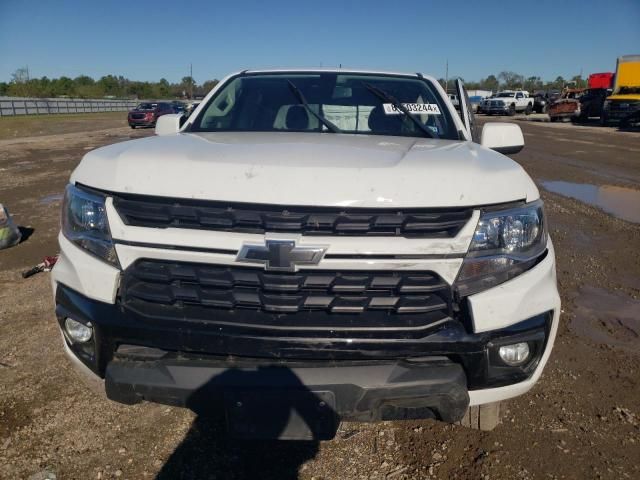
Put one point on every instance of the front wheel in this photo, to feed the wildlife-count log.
(604, 121)
(133, 127)
(482, 417)
(528, 110)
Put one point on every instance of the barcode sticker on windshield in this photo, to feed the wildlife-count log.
(414, 108)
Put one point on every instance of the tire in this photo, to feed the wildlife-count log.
(133, 126)
(604, 121)
(512, 110)
(528, 110)
(553, 119)
(482, 417)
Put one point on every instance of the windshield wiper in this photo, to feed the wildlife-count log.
(382, 95)
(330, 125)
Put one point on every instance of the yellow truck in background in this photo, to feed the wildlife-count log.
(623, 105)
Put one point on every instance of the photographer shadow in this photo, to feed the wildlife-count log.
(245, 419)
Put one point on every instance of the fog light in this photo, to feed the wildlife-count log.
(515, 354)
(79, 332)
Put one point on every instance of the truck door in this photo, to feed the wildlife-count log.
(466, 112)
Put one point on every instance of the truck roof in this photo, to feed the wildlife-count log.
(629, 58)
(335, 70)
(627, 72)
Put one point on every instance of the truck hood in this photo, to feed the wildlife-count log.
(308, 169)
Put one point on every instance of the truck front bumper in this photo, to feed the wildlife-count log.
(496, 110)
(454, 366)
(141, 123)
(318, 396)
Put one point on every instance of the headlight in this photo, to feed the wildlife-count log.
(505, 244)
(84, 222)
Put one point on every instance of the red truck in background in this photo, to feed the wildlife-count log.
(579, 104)
(146, 114)
(601, 80)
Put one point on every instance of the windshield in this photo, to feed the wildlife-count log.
(147, 106)
(506, 95)
(352, 103)
(629, 90)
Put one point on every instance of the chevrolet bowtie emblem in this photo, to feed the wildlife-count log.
(282, 255)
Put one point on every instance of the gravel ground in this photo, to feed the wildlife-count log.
(582, 420)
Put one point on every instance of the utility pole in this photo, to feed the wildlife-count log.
(581, 77)
(446, 78)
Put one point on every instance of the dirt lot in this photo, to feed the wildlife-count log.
(37, 125)
(582, 420)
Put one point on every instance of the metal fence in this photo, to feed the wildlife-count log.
(43, 106)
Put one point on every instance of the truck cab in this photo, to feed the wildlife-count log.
(623, 106)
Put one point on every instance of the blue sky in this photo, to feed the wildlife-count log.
(147, 40)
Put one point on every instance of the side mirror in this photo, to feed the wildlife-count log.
(505, 138)
(168, 124)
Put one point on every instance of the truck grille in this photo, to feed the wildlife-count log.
(623, 106)
(314, 302)
(143, 211)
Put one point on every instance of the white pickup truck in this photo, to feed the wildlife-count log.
(310, 246)
(508, 102)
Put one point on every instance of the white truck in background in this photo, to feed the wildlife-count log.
(508, 102)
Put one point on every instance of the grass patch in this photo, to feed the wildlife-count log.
(36, 125)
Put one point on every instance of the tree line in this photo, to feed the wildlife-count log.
(108, 86)
(511, 81)
(112, 86)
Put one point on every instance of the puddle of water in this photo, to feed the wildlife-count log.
(621, 202)
(54, 198)
(608, 318)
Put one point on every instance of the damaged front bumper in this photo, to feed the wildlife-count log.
(142, 361)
